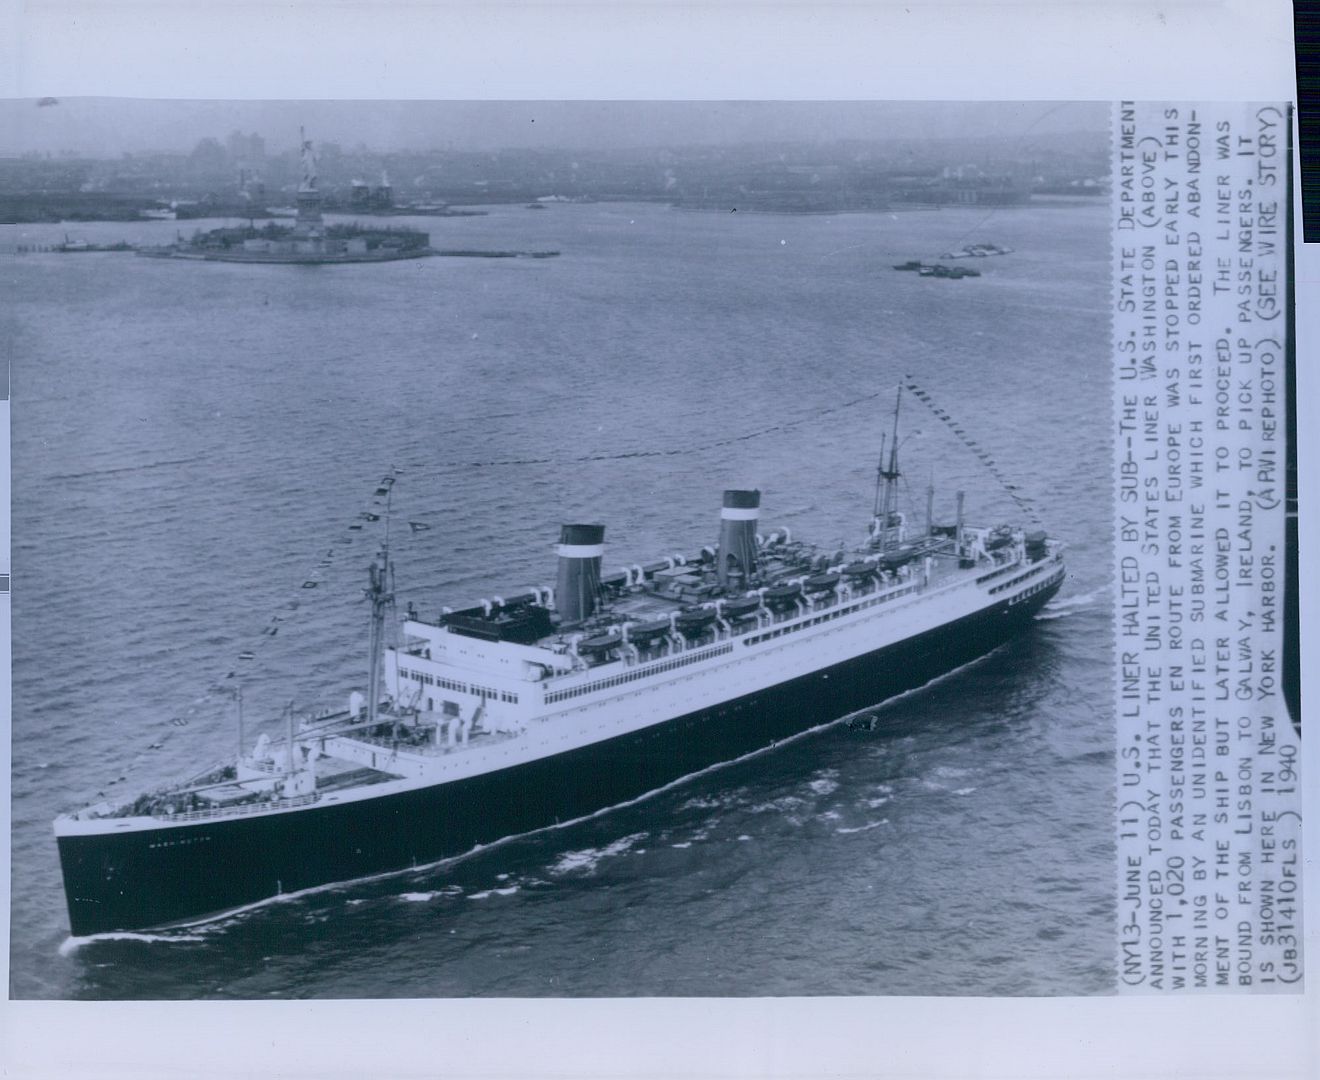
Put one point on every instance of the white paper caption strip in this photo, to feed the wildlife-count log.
(1209, 798)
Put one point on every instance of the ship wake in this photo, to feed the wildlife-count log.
(588, 859)
(1060, 609)
(71, 944)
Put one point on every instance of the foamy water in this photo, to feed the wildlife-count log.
(587, 860)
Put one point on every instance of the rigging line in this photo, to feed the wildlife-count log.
(625, 455)
(1016, 148)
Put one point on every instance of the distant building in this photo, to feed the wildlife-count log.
(251, 186)
(245, 149)
(362, 196)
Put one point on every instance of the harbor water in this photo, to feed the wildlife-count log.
(195, 447)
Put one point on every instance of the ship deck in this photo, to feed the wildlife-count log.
(334, 773)
(669, 592)
(192, 800)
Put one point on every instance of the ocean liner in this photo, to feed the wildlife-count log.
(551, 703)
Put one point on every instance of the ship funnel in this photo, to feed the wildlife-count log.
(577, 590)
(738, 520)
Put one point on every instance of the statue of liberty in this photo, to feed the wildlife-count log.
(308, 226)
(308, 163)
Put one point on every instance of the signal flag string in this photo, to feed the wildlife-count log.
(372, 511)
(986, 461)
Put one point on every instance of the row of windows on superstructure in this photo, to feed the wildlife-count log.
(453, 684)
(780, 630)
(995, 573)
(436, 680)
(1009, 584)
(638, 673)
(1030, 592)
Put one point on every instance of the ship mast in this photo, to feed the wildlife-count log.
(879, 484)
(380, 592)
(887, 496)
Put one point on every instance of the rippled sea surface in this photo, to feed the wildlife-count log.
(192, 442)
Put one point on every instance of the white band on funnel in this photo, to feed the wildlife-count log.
(581, 551)
(740, 513)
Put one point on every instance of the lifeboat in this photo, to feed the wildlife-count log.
(695, 620)
(860, 571)
(782, 596)
(742, 607)
(820, 582)
(642, 632)
(601, 643)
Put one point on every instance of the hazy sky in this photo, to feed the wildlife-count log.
(110, 126)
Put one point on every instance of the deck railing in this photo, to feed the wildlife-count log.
(241, 809)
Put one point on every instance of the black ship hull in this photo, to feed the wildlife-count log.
(146, 878)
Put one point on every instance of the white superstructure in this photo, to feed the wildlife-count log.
(466, 705)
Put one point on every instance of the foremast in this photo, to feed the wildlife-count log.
(886, 486)
(380, 594)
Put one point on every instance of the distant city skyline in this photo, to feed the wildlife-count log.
(109, 127)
